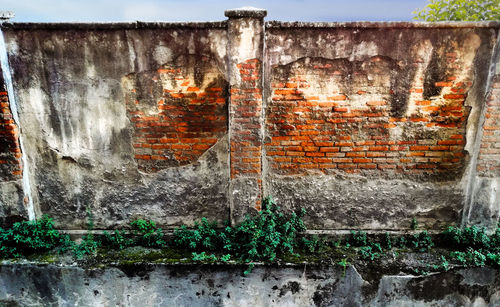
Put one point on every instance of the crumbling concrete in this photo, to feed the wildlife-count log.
(364, 124)
(207, 285)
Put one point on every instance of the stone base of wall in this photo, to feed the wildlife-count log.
(224, 285)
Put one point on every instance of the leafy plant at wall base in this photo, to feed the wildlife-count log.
(414, 224)
(88, 245)
(29, 237)
(469, 258)
(387, 241)
(258, 238)
(494, 259)
(367, 253)
(422, 241)
(147, 234)
(204, 236)
(203, 257)
(343, 263)
(270, 232)
(315, 244)
(359, 238)
(473, 236)
(116, 240)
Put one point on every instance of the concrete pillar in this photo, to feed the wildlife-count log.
(15, 202)
(245, 56)
(483, 195)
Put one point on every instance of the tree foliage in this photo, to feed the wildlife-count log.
(459, 10)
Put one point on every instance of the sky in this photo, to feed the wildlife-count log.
(203, 10)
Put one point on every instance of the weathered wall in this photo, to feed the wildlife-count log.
(127, 120)
(366, 125)
(246, 53)
(190, 285)
(483, 197)
(369, 126)
(12, 205)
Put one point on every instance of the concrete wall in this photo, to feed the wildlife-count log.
(12, 204)
(127, 121)
(209, 285)
(366, 125)
(371, 125)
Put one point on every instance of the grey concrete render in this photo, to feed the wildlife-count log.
(70, 82)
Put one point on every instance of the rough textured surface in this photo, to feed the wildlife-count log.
(10, 151)
(352, 202)
(12, 204)
(366, 125)
(12, 207)
(483, 191)
(178, 112)
(160, 285)
(484, 209)
(369, 133)
(246, 49)
(79, 128)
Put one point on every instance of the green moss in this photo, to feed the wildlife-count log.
(270, 237)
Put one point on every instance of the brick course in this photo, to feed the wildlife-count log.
(189, 117)
(246, 113)
(322, 116)
(488, 164)
(10, 151)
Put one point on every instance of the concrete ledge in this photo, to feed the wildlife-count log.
(111, 25)
(224, 285)
(382, 24)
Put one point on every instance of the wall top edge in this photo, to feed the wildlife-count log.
(382, 24)
(223, 24)
(111, 25)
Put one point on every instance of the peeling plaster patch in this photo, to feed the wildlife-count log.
(422, 52)
(363, 50)
(162, 54)
(246, 49)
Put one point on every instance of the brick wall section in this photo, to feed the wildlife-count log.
(322, 118)
(187, 120)
(246, 110)
(488, 164)
(10, 152)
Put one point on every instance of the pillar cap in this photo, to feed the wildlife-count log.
(6, 15)
(246, 11)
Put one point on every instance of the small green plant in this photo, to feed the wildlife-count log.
(445, 265)
(203, 257)
(343, 263)
(470, 257)
(494, 259)
(204, 236)
(422, 241)
(314, 244)
(387, 241)
(115, 240)
(359, 238)
(88, 244)
(147, 234)
(28, 237)
(258, 238)
(414, 224)
(367, 253)
(461, 239)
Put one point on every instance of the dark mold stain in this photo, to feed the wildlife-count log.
(435, 72)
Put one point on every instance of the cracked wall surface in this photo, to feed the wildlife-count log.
(224, 285)
(107, 130)
(365, 125)
(369, 132)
